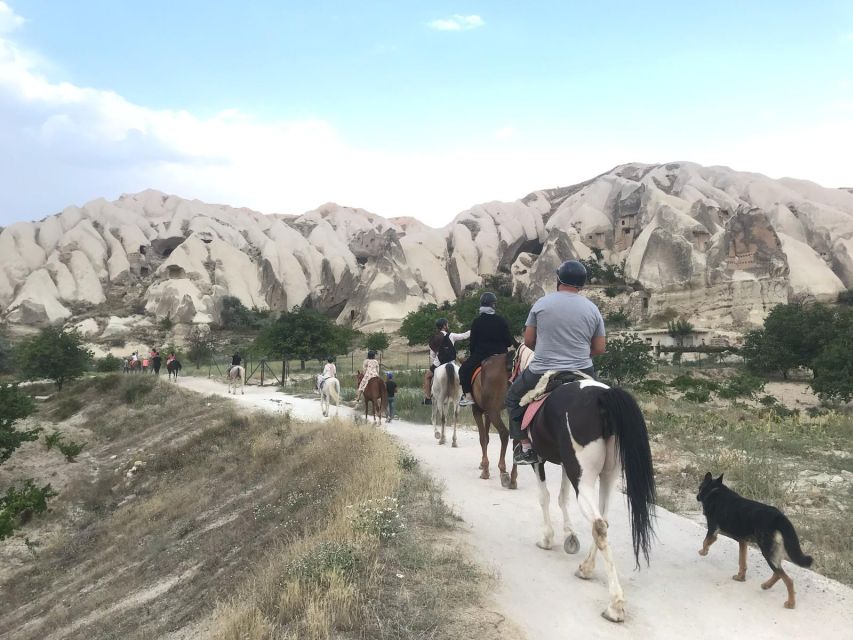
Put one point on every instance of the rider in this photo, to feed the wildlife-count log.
(235, 362)
(490, 335)
(442, 349)
(371, 370)
(155, 359)
(566, 330)
(329, 371)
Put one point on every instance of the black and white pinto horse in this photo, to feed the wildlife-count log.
(172, 368)
(592, 431)
(446, 391)
(236, 376)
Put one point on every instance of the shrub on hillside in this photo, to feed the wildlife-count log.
(19, 505)
(742, 385)
(14, 405)
(651, 386)
(55, 354)
(627, 358)
(108, 364)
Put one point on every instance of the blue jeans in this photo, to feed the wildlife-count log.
(392, 413)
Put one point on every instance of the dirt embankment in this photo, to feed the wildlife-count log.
(234, 525)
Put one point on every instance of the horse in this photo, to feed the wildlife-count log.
(235, 377)
(489, 390)
(173, 367)
(375, 392)
(330, 391)
(446, 390)
(592, 431)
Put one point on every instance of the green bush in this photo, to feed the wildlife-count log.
(651, 386)
(618, 319)
(108, 363)
(14, 405)
(70, 449)
(742, 385)
(768, 401)
(686, 382)
(19, 505)
(407, 461)
(55, 354)
(699, 394)
(626, 359)
(52, 440)
(326, 558)
(380, 517)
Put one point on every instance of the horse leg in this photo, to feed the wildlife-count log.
(483, 431)
(591, 459)
(454, 415)
(608, 477)
(570, 542)
(545, 503)
(508, 481)
(434, 417)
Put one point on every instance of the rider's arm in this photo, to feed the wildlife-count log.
(530, 337)
(598, 346)
(460, 336)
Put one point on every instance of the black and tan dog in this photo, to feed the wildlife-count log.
(745, 520)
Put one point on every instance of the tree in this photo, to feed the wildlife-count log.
(618, 319)
(419, 326)
(679, 329)
(627, 358)
(304, 334)
(235, 315)
(6, 352)
(199, 345)
(108, 363)
(55, 354)
(14, 405)
(833, 366)
(377, 341)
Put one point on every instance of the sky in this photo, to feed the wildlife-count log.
(409, 108)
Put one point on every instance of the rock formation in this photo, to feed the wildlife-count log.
(718, 246)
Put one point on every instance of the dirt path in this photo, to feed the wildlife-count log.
(681, 595)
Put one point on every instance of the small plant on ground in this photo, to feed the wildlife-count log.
(742, 385)
(70, 449)
(380, 517)
(52, 440)
(651, 386)
(326, 558)
(700, 394)
(407, 461)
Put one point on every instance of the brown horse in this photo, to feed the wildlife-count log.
(376, 393)
(489, 391)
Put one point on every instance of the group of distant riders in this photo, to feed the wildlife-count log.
(145, 364)
(564, 328)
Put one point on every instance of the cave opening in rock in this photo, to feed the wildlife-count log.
(144, 271)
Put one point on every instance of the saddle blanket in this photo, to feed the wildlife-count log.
(550, 380)
(532, 409)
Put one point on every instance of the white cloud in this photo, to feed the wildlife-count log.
(9, 20)
(457, 23)
(504, 133)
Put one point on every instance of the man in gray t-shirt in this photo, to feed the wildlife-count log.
(565, 330)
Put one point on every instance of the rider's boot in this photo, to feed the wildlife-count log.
(466, 400)
(523, 453)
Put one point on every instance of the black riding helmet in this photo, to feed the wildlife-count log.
(572, 273)
(441, 323)
(488, 299)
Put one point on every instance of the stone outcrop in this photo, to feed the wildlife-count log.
(718, 246)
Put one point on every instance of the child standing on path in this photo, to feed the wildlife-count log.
(392, 392)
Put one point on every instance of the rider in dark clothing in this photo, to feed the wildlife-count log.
(235, 361)
(156, 361)
(490, 335)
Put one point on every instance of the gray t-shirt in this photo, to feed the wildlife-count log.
(565, 325)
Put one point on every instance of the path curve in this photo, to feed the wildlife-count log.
(680, 595)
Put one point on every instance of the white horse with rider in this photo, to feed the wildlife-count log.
(236, 378)
(446, 391)
(329, 387)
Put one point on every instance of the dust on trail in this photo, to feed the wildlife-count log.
(680, 595)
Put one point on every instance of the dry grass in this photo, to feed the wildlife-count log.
(238, 525)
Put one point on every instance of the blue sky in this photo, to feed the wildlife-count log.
(409, 108)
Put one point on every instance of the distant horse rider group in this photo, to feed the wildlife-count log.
(150, 363)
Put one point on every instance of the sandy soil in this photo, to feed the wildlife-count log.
(681, 595)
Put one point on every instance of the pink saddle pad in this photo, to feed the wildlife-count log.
(531, 411)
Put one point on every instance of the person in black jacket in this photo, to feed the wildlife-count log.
(490, 335)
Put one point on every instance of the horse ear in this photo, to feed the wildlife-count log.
(707, 477)
(720, 479)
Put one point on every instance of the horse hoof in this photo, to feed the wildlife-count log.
(543, 545)
(739, 578)
(583, 575)
(454, 445)
(481, 466)
(485, 475)
(513, 484)
(614, 614)
(442, 441)
(505, 480)
(571, 545)
(437, 435)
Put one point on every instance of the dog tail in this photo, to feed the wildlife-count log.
(792, 543)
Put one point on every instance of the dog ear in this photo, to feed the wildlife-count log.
(707, 477)
(720, 479)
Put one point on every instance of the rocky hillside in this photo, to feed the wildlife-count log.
(718, 246)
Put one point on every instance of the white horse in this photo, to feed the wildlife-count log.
(330, 392)
(446, 391)
(236, 375)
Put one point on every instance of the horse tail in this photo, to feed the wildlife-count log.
(624, 418)
(334, 390)
(450, 382)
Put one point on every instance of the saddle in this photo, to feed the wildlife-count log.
(535, 398)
